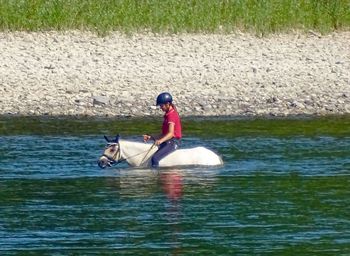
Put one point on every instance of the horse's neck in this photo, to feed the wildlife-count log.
(131, 148)
(135, 152)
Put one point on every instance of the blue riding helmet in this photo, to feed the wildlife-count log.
(164, 98)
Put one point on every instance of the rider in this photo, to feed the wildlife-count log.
(168, 140)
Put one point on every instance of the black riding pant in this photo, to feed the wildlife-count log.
(164, 149)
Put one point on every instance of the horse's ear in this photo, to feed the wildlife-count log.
(106, 138)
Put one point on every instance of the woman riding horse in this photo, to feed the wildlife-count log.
(168, 140)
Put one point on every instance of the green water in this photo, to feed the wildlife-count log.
(213, 127)
(283, 190)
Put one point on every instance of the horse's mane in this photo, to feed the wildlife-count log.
(135, 143)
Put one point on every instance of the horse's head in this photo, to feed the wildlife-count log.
(111, 153)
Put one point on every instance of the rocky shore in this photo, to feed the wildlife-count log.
(79, 73)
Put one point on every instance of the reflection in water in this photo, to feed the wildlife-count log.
(171, 181)
(139, 183)
(172, 184)
(147, 189)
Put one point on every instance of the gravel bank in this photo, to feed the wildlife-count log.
(79, 73)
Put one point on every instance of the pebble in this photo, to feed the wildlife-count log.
(100, 100)
(80, 73)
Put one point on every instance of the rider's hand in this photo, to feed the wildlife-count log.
(146, 137)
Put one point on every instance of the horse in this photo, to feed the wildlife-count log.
(138, 154)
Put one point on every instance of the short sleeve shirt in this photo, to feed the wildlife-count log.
(172, 117)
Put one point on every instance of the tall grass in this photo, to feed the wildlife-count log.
(174, 16)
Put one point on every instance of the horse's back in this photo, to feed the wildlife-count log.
(192, 156)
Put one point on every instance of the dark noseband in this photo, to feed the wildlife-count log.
(111, 160)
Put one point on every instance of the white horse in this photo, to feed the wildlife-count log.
(139, 154)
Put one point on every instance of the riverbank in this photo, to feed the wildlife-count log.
(80, 74)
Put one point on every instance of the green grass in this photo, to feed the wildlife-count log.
(175, 16)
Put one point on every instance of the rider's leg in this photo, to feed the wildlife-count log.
(165, 149)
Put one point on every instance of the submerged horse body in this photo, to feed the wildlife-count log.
(139, 154)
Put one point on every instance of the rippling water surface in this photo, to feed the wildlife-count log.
(276, 195)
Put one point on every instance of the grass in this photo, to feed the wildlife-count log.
(175, 16)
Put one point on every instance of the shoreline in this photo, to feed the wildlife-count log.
(80, 74)
(186, 118)
(213, 127)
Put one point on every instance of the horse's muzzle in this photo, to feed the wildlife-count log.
(103, 162)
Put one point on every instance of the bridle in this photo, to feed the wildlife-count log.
(117, 154)
(111, 159)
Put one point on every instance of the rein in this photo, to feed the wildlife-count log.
(147, 153)
(113, 161)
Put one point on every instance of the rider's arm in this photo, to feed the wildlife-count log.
(167, 136)
(147, 137)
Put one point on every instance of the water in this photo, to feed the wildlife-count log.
(276, 195)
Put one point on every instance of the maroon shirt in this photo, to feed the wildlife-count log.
(172, 117)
